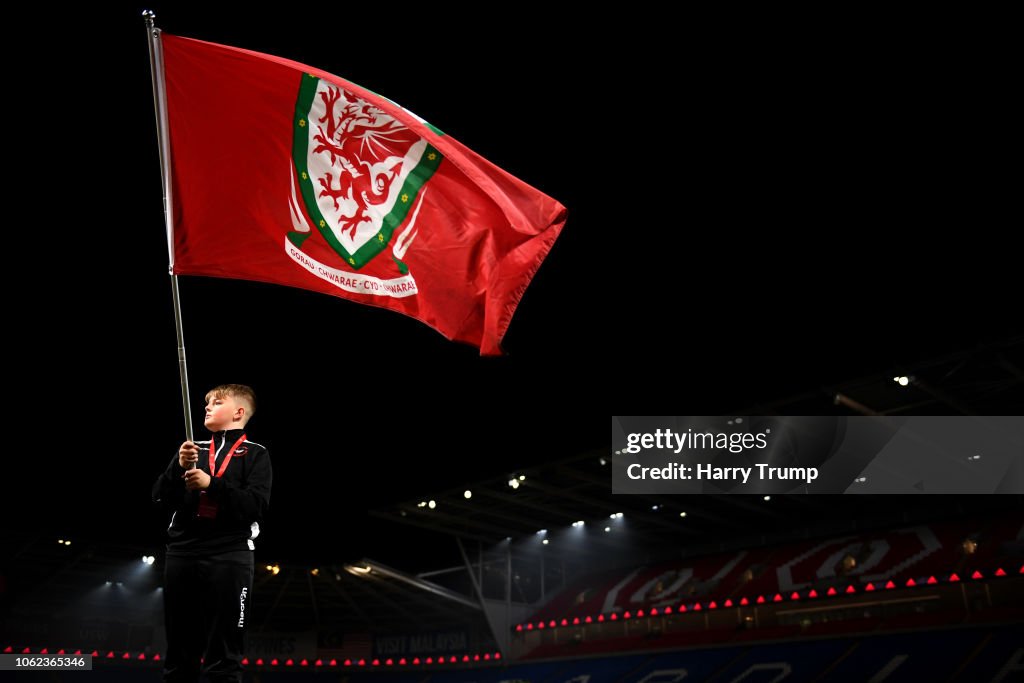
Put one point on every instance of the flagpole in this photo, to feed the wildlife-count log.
(156, 65)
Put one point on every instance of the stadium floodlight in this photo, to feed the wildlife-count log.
(467, 494)
(431, 504)
(514, 483)
(578, 524)
(356, 570)
(545, 541)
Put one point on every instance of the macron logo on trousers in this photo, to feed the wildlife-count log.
(241, 607)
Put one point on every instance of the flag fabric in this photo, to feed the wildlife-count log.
(286, 174)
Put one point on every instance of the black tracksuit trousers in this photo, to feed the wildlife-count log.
(206, 610)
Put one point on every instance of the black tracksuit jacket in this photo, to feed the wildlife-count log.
(242, 496)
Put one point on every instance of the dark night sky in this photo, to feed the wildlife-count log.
(748, 217)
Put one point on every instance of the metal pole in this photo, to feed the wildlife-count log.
(498, 632)
(182, 369)
(156, 66)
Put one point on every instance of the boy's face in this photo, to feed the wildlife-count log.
(223, 412)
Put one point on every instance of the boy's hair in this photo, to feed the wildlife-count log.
(238, 391)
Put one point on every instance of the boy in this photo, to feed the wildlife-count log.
(219, 491)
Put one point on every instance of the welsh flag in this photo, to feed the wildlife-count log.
(283, 173)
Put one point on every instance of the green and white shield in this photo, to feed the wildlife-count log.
(358, 171)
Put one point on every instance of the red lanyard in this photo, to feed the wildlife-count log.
(227, 458)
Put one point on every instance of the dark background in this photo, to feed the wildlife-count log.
(752, 213)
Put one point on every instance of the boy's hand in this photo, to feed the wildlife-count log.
(188, 454)
(196, 479)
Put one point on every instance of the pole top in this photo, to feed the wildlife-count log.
(149, 16)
